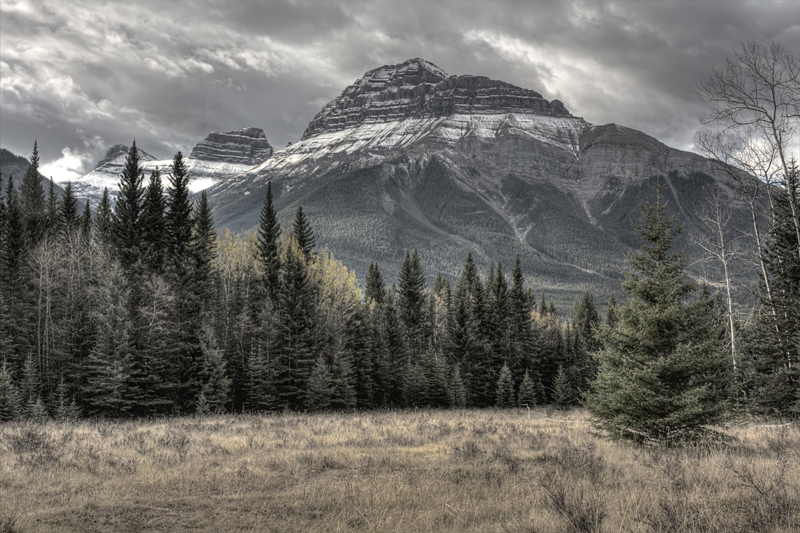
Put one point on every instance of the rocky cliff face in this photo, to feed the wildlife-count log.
(247, 146)
(409, 157)
(419, 89)
(216, 158)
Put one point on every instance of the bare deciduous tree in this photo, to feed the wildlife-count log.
(756, 112)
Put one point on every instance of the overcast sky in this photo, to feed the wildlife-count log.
(83, 75)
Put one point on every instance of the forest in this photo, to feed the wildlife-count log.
(143, 309)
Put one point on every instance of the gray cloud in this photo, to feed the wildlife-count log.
(84, 75)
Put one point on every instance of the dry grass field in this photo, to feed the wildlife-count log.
(406, 471)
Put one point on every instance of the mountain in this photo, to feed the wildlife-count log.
(16, 166)
(409, 157)
(215, 158)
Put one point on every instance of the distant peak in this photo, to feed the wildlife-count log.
(248, 146)
(118, 151)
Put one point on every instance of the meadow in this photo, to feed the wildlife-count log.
(397, 471)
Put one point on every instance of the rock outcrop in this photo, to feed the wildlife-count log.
(247, 146)
(420, 89)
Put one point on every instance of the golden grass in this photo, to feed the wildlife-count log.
(406, 471)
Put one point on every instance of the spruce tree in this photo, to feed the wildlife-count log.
(103, 223)
(611, 315)
(302, 231)
(438, 392)
(86, 221)
(258, 382)
(30, 386)
(269, 231)
(520, 334)
(319, 386)
(68, 217)
(65, 408)
(586, 320)
(126, 224)
(459, 392)
(663, 369)
(154, 224)
(343, 383)
(215, 383)
(505, 388)
(411, 303)
(10, 402)
(563, 393)
(204, 252)
(526, 397)
(33, 201)
(110, 367)
(374, 287)
(51, 214)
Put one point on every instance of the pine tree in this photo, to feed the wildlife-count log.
(31, 385)
(505, 388)
(126, 224)
(611, 315)
(304, 234)
(774, 339)
(586, 320)
(103, 222)
(520, 336)
(438, 392)
(65, 408)
(110, 366)
(411, 303)
(51, 215)
(374, 289)
(269, 231)
(258, 384)
(68, 218)
(297, 328)
(154, 224)
(457, 388)
(343, 386)
(563, 393)
(319, 387)
(10, 402)
(86, 221)
(216, 385)
(204, 251)
(526, 397)
(33, 202)
(663, 369)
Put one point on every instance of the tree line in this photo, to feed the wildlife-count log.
(142, 309)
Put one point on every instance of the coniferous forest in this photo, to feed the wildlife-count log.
(140, 307)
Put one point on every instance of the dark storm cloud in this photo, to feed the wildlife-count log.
(84, 75)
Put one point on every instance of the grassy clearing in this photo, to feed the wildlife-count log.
(495, 470)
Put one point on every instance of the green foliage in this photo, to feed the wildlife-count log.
(663, 369)
(269, 232)
(527, 392)
(319, 387)
(10, 404)
(459, 393)
(154, 224)
(126, 226)
(301, 229)
(505, 388)
(563, 393)
(216, 385)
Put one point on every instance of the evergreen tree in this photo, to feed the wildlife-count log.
(563, 393)
(216, 385)
(304, 234)
(411, 303)
(126, 224)
(437, 392)
(343, 386)
(319, 387)
(110, 366)
(86, 221)
(774, 338)
(505, 388)
(31, 386)
(663, 369)
(586, 320)
(258, 382)
(611, 315)
(520, 336)
(51, 214)
(103, 222)
(68, 218)
(65, 409)
(457, 388)
(375, 289)
(10, 402)
(33, 202)
(527, 392)
(269, 231)
(297, 328)
(154, 224)
(204, 251)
